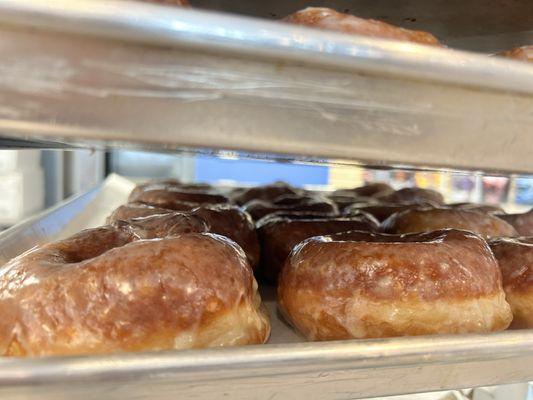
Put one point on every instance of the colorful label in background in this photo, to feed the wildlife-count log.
(219, 170)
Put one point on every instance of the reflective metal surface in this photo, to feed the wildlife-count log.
(285, 368)
(79, 70)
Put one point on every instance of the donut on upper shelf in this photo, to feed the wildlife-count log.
(524, 53)
(523, 222)
(328, 19)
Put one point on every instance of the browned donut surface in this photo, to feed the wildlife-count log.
(365, 285)
(368, 190)
(266, 192)
(515, 257)
(223, 219)
(103, 291)
(380, 211)
(430, 219)
(524, 53)
(328, 19)
(523, 223)
(260, 208)
(176, 198)
(488, 208)
(412, 196)
(278, 236)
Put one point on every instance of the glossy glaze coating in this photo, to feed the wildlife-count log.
(368, 190)
(524, 53)
(278, 236)
(430, 219)
(224, 219)
(412, 196)
(260, 208)
(488, 208)
(170, 184)
(381, 211)
(266, 192)
(326, 18)
(523, 223)
(104, 290)
(515, 257)
(176, 198)
(361, 284)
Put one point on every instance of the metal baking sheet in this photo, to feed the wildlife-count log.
(287, 367)
(118, 72)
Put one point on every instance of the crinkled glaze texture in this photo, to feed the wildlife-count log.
(412, 196)
(524, 53)
(515, 257)
(104, 290)
(328, 19)
(360, 285)
(223, 219)
(266, 192)
(523, 223)
(278, 237)
(426, 219)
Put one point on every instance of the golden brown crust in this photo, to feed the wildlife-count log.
(429, 219)
(278, 236)
(223, 219)
(328, 19)
(360, 284)
(523, 223)
(524, 53)
(177, 292)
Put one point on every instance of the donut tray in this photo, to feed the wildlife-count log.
(118, 73)
(286, 367)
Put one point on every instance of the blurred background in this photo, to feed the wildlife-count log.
(37, 179)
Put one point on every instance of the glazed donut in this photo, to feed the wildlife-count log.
(487, 208)
(223, 219)
(176, 198)
(260, 208)
(328, 19)
(103, 291)
(380, 211)
(411, 196)
(279, 235)
(524, 53)
(515, 257)
(368, 285)
(368, 190)
(430, 219)
(523, 223)
(266, 193)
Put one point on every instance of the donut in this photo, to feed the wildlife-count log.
(279, 235)
(488, 208)
(171, 184)
(369, 285)
(380, 211)
(260, 208)
(411, 196)
(523, 223)
(515, 257)
(368, 190)
(524, 53)
(223, 219)
(104, 290)
(176, 198)
(266, 193)
(328, 19)
(430, 219)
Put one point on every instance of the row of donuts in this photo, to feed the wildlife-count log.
(286, 216)
(332, 20)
